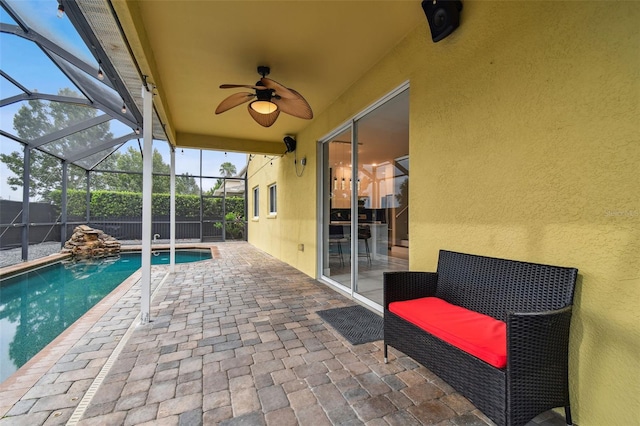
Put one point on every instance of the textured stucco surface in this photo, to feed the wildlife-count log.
(525, 144)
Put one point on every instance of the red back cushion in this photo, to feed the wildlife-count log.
(477, 334)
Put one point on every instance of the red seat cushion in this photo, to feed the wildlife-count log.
(477, 334)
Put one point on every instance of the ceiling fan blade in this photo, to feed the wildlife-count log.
(265, 120)
(234, 86)
(297, 107)
(282, 91)
(290, 101)
(234, 100)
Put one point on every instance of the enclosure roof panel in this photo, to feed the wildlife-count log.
(52, 97)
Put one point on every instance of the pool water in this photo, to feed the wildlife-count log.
(38, 305)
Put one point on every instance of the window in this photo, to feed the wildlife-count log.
(272, 199)
(256, 202)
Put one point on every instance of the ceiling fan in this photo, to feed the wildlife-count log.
(270, 98)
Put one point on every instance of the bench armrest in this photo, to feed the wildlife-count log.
(407, 285)
(538, 350)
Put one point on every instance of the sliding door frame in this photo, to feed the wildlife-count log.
(322, 204)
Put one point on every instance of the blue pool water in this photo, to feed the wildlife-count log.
(38, 305)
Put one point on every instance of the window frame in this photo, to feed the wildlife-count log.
(256, 202)
(273, 199)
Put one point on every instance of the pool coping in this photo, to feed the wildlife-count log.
(19, 383)
(18, 268)
(22, 380)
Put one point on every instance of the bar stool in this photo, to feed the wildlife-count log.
(364, 233)
(336, 238)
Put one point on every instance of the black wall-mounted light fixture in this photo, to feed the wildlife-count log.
(290, 143)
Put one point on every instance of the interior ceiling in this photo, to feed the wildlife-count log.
(189, 48)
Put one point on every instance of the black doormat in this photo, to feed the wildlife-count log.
(357, 324)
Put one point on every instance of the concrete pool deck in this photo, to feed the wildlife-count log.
(234, 340)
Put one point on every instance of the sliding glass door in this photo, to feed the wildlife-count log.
(365, 199)
(336, 222)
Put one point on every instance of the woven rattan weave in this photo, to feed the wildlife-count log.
(535, 302)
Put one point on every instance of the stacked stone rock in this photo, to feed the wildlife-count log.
(87, 242)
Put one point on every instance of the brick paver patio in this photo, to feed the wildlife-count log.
(233, 341)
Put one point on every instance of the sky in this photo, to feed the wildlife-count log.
(26, 63)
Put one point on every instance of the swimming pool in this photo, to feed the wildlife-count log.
(37, 305)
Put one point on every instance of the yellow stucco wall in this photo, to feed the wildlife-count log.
(294, 223)
(525, 144)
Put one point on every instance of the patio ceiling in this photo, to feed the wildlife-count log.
(187, 49)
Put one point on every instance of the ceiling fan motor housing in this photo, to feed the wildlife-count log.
(264, 95)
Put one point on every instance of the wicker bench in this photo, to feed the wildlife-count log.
(533, 301)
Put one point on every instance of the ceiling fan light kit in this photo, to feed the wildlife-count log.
(263, 107)
(270, 98)
(264, 120)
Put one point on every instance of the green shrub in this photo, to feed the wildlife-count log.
(114, 205)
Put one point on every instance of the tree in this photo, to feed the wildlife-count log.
(131, 161)
(39, 118)
(402, 197)
(227, 169)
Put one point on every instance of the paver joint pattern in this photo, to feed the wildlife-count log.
(236, 340)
